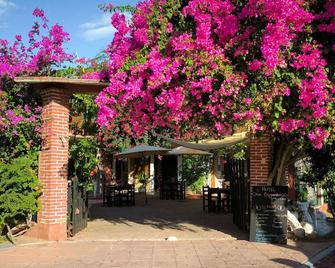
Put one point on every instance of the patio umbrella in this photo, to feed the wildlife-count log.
(141, 151)
(187, 151)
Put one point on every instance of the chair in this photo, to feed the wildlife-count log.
(165, 191)
(123, 197)
(205, 196)
(214, 199)
(111, 196)
(181, 190)
(131, 195)
(226, 204)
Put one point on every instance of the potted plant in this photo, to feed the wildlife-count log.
(302, 197)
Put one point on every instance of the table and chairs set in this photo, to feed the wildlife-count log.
(119, 195)
(216, 199)
(173, 190)
(124, 195)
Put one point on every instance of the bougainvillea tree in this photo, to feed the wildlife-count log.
(20, 109)
(204, 68)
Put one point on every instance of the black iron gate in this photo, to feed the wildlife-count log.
(237, 171)
(77, 207)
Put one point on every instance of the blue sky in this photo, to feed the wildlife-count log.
(89, 27)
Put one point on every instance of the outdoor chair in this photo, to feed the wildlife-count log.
(225, 201)
(205, 194)
(172, 190)
(118, 195)
(111, 196)
(216, 199)
(131, 195)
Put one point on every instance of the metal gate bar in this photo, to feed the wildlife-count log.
(77, 207)
(237, 171)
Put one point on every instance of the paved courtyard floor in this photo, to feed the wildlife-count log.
(135, 237)
(157, 220)
(158, 254)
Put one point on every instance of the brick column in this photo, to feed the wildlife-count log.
(53, 165)
(260, 160)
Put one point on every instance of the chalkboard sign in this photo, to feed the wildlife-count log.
(268, 217)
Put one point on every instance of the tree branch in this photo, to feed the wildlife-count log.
(281, 169)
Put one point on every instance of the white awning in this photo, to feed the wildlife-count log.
(209, 145)
(187, 151)
(142, 150)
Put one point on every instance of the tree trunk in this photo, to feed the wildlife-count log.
(285, 153)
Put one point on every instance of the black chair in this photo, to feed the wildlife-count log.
(181, 190)
(214, 200)
(226, 203)
(172, 190)
(205, 196)
(111, 196)
(118, 195)
(131, 195)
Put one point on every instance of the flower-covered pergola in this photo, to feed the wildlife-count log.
(53, 159)
(191, 70)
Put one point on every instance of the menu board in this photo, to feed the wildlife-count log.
(268, 217)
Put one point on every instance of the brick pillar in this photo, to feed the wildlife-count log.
(53, 165)
(260, 160)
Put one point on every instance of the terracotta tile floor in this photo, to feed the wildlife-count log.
(158, 220)
(197, 253)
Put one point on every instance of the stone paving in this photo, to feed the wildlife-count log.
(134, 237)
(210, 253)
(158, 220)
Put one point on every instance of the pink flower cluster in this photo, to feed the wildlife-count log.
(42, 53)
(201, 81)
(318, 136)
(39, 55)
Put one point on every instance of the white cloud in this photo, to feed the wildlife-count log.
(101, 28)
(5, 5)
(98, 29)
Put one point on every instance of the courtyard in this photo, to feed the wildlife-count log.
(193, 133)
(157, 221)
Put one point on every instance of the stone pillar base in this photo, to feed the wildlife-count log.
(52, 232)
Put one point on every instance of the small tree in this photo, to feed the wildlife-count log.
(19, 190)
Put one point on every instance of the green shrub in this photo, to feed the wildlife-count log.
(195, 170)
(83, 160)
(196, 186)
(19, 190)
(302, 193)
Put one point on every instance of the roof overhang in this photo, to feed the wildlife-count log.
(73, 85)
